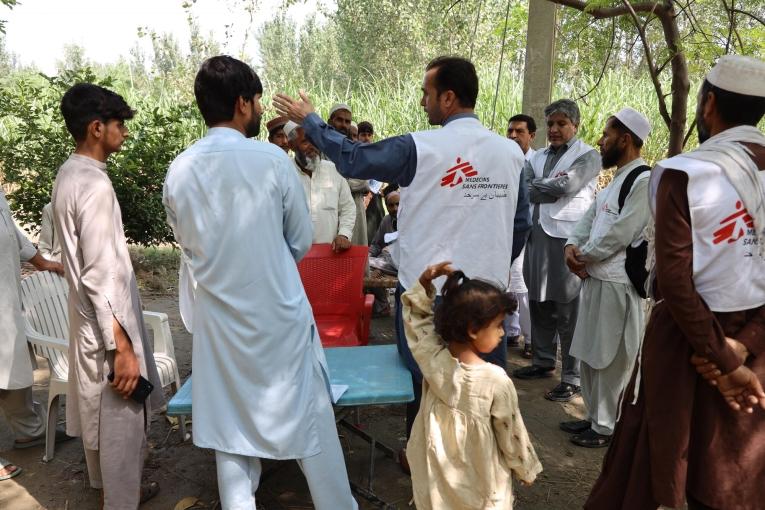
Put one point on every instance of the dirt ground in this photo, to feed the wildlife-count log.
(184, 470)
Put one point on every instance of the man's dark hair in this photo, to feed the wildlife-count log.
(469, 305)
(84, 102)
(735, 109)
(458, 75)
(220, 82)
(528, 119)
(366, 127)
(620, 127)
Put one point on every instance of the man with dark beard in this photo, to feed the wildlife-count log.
(679, 438)
(237, 210)
(609, 323)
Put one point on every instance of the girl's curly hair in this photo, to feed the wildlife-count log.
(469, 305)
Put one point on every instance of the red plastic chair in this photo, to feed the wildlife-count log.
(334, 284)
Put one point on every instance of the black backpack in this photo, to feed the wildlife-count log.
(636, 255)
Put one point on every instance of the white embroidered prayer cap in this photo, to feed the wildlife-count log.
(635, 122)
(289, 127)
(337, 107)
(739, 74)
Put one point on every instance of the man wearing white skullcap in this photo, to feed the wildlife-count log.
(681, 437)
(609, 323)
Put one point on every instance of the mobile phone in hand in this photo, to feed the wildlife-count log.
(142, 390)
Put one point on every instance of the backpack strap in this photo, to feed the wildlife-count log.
(628, 182)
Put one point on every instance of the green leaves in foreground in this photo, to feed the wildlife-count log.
(34, 142)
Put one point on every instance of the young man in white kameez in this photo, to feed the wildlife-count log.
(25, 417)
(107, 334)
(610, 321)
(239, 214)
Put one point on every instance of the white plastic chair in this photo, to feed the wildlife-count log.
(44, 298)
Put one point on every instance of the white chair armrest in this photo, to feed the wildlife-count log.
(35, 338)
(163, 339)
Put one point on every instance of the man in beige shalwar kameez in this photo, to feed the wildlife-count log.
(106, 328)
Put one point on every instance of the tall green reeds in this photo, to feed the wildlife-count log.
(392, 104)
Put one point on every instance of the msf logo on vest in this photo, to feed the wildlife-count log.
(735, 226)
(458, 173)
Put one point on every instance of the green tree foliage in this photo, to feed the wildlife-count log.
(34, 143)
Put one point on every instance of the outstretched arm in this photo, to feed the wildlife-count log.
(391, 160)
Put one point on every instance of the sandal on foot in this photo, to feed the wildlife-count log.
(563, 392)
(40, 440)
(4, 464)
(527, 352)
(591, 439)
(148, 491)
(575, 427)
(533, 372)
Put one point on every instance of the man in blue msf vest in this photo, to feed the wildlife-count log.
(462, 194)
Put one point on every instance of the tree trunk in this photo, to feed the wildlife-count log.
(680, 82)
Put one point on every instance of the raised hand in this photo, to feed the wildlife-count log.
(435, 271)
(294, 109)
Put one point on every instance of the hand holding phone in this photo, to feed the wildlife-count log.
(143, 388)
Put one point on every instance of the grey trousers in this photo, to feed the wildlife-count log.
(601, 389)
(117, 465)
(547, 319)
(25, 416)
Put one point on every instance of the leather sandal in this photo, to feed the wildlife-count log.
(575, 427)
(563, 392)
(533, 372)
(591, 439)
(148, 491)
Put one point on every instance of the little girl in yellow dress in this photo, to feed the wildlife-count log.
(468, 438)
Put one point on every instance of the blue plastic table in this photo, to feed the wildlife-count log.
(374, 374)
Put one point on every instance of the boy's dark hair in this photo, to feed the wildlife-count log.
(619, 126)
(220, 82)
(735, 109)
(85, 102)
(458, 75)
(366, 127)
(469, 305)
(528, 119)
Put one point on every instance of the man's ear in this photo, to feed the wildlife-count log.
(95, 129)
(242, 105)
(710, 105)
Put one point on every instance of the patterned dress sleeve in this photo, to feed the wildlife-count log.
(512, 438)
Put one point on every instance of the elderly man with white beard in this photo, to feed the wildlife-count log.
(329, 198)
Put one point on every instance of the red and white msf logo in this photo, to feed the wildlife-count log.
(458, 173)
(734, 227)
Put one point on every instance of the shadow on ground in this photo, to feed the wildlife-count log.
(186, 471)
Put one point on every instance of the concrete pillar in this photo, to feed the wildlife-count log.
(538, 70)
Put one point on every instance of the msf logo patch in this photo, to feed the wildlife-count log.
(735, 226)
(458, 173)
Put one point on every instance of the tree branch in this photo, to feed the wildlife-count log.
(650, 63)
(753, 16)
(610, 12)
(605, 64)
